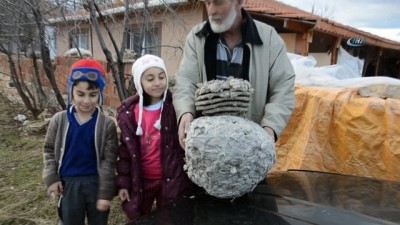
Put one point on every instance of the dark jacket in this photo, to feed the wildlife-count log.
(175, 182)
(106, 142)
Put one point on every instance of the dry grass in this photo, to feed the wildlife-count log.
(23, 199)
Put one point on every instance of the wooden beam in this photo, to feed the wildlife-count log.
(297, 26)
(302, 43)
(334, 50)
(378, 61)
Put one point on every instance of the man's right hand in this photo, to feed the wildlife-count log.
(184, 124)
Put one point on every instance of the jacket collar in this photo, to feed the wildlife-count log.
(249, 30)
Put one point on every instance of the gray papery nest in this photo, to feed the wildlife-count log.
(228, 155)
(223, 97)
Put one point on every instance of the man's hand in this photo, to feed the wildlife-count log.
(270, 132)
(184, 124)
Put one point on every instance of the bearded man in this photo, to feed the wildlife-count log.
(232, 43)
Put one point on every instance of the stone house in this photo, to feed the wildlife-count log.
(169, 21)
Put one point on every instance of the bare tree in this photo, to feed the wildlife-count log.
(114, 55)
(44, 48)
(28, 34)
(325, 11)
(117, 70)
(22, 34)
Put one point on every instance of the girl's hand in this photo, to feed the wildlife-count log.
(124, 195)
(103, 205)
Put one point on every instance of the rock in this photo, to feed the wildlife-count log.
(129, 55)
(46, 114)
(21, 118)
(228, 155)
(73, 52)
(36, 127)
(381, 91)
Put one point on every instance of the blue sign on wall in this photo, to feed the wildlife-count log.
(356, 41)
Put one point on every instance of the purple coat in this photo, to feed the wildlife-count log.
(175, 182)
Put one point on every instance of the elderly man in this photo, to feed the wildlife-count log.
(231, 43)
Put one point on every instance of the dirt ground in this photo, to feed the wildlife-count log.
(23, 198)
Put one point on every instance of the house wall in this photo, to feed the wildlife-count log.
(174, 28)
(290, 41)
(62, 43)
(323, 59)
(174, 34)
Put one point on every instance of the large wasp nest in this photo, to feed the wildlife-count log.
(226, 154)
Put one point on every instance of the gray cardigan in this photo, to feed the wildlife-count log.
(106, 143)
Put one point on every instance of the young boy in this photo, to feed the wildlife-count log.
(80, 150)
(150, 164)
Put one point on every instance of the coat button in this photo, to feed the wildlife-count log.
(127, 112)
(167, 179)
(166, 146)
(166, 128)
(133, 155)
(127, 138)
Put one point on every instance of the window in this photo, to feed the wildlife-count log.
(51, 40)
(79, 38)
(144, 41)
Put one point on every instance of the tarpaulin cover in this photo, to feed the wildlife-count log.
(336, 130)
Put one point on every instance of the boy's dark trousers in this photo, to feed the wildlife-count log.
(79, 201)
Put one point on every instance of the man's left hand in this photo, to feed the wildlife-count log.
(270, 132)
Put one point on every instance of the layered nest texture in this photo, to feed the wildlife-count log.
(228, 155)
(223, 97)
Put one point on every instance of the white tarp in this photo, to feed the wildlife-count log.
(342, 76)
(353, 63)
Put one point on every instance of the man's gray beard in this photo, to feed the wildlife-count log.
(227, 24)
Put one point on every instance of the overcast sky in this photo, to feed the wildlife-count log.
(381, 17)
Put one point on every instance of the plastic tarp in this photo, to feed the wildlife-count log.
(336, 130)
(353, 63)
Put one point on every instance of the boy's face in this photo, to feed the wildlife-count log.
(154, 82)
(86, 100)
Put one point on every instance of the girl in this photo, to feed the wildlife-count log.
(150, 164)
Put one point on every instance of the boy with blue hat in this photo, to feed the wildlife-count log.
(80, 150)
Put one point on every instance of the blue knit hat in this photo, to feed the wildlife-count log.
(87, 69)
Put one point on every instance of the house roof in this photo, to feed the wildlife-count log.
(113, 8)
(285, 12)
(268, 8)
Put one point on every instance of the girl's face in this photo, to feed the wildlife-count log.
(86, 100)
(154, 82)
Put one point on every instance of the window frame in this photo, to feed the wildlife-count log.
(76, 37)
(153, 31)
